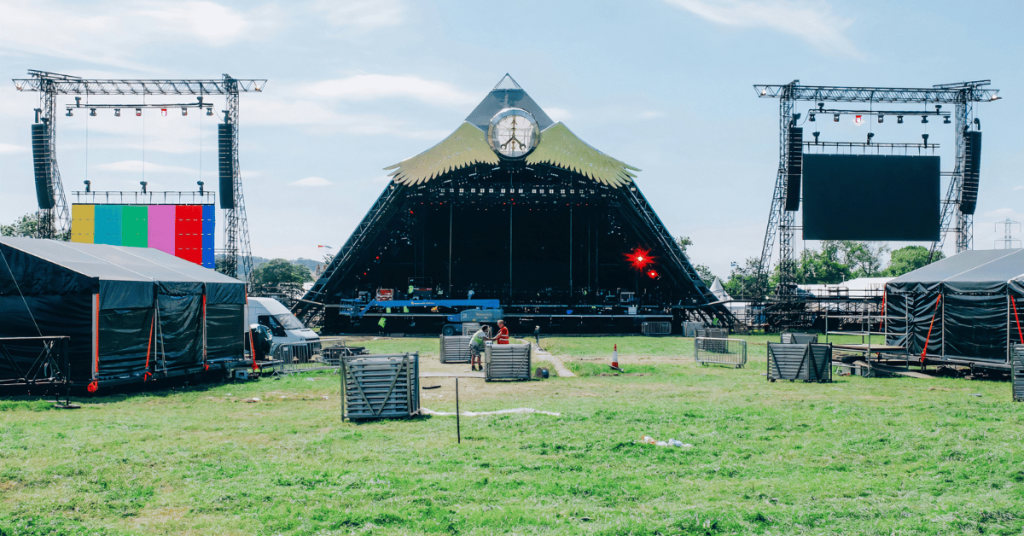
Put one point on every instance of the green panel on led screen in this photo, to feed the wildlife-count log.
(135, 226)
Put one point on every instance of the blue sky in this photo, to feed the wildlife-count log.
(357, 85)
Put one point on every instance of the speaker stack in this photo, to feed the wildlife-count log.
(225, 133)
(795, 161)
(41, 164)
(972, 165)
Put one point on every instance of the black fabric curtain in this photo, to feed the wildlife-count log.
(225, 327)
(124, 341)
(975, 325)
(180, 323)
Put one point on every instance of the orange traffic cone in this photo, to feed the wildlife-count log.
(615, 357)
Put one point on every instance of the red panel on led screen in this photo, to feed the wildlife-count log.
(188, 230)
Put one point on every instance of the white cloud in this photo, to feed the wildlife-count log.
(813, 22)
(137, 166)
(650, 114)
(361, 14)
(271, 111)
(558, 114)
(366, 87)
(8, 148)
(312, 182)
(1018, 187)
(110, 33)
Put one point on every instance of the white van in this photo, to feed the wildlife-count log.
(292, 342)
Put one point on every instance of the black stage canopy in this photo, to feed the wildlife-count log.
(132, 313)
(971, 303)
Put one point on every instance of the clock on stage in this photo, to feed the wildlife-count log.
(513, 133)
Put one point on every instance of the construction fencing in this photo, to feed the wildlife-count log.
(507, 362)
(1017, 371)
(807, 362)
(455, 348)
(715, 351)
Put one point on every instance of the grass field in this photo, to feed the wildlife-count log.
(858, 456)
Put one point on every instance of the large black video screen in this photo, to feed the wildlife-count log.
(871, 197)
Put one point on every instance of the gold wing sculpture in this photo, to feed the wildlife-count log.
(464, 147)
(561, 148)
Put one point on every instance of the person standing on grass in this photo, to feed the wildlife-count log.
(476, 347)
(502, 336)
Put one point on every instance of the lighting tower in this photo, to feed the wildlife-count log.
(56, 222)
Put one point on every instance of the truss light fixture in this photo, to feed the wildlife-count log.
(816, 134)
(138, 112)
(117, 112)
(858, 120)
(764, 91)
(946, 120)
(925, 138)
(924, 118)
(835, 117)
(92, 112)
(163, 112)
(899, 119)
(209, 111)
(870, 135)
(810, 117)
(881, 118)
(69, 114)
(821, 105)
(184, 112)
(87, 184)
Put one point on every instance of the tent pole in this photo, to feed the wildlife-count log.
(942, 328)
(95, 335)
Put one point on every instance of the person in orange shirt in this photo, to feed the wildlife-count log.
(502, 336)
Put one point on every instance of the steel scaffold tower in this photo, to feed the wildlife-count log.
(58, 221)
(780, 221)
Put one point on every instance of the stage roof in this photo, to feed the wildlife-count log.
(467, 146)
(974, 266)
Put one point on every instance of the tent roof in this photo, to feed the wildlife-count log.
(116, 263)
(975, 266)
(719, 291)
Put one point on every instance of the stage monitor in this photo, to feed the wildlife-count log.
(871, 197)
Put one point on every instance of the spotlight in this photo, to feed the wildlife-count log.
(924, 118)
(653, 274)
(810, 117)
(816, 134)
(117, 112)
(69, 114)
(821, 105)
(899, 119)
(87, 183)
(858, 120)
(870, 135)
(977, 123)
(184, 111)
(925, 138)
(835, 117)
(163, 112)
(138, 112)
(946, 121)
(764, 91)
(143, 183)
(881, 118)
(200, 183)
(938, 107)
(92, 112)
(209, 111)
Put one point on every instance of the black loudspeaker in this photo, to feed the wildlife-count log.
(795, 162)
(225, 132)
(972, 166)
(41, 164)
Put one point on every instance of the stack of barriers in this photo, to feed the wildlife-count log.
(798, 338)
(380, 386)
(1017, 372)
(720, 351)
(809, 362)
(455, 348)
(507, 362)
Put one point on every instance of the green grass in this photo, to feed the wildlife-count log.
(859, 456)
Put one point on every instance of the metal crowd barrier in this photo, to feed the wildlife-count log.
(798, 338)
(455, 348)
(720, 351)
(807, 362)
(507, 362)
(380, 386)
(690, 328)
(301, 357)
(656, 328)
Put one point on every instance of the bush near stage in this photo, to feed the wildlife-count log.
(859, 456)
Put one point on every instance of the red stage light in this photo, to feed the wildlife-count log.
(653, 274)
(640, 258)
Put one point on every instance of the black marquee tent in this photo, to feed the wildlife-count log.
(972, 305)
(132, 314)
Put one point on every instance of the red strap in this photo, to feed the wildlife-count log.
(204, 331)
(1019, 334)
(882, 321)
(925, 351)
(149, 344)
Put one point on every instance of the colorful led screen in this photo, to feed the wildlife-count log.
(185, 231)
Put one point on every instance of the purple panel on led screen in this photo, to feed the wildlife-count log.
(161, 228)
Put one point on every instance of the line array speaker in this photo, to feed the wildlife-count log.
(42, 164)
(225, 133)
(972, 167)
(795, 161)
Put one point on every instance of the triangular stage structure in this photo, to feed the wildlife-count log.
(510, 211)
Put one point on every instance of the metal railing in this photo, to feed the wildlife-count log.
(720, 351)
(144, 198)
(301, 357)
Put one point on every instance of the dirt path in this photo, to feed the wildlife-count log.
(541, 354)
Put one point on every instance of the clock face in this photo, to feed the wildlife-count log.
(513, 133)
